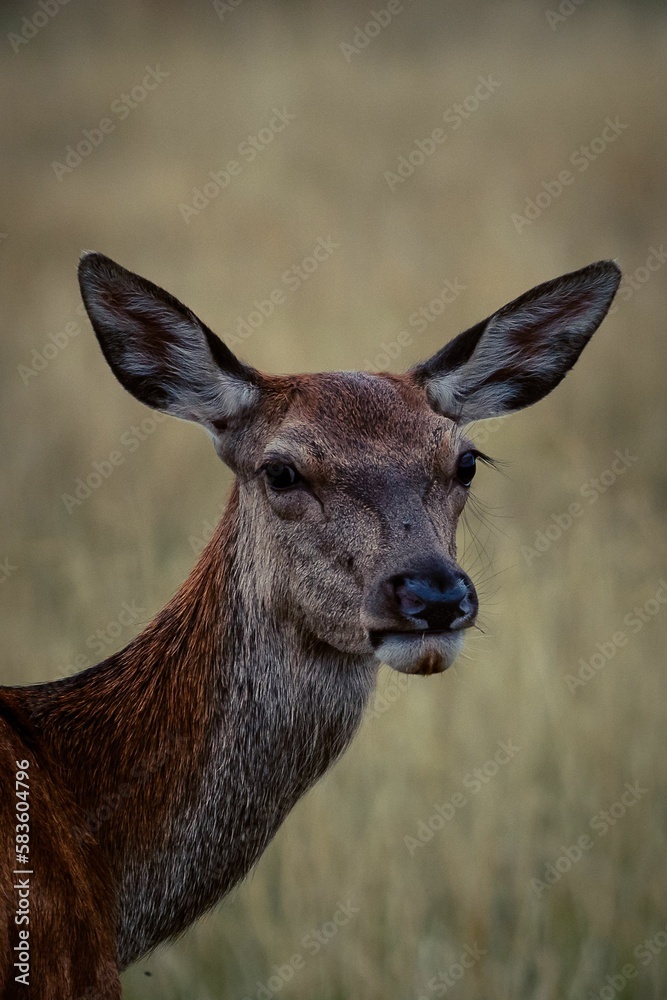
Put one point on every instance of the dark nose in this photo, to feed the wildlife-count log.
(437, 598)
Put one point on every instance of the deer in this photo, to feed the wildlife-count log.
(158, 777)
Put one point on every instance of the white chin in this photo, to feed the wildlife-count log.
(412, 653)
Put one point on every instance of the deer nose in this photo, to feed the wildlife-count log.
(440, 600)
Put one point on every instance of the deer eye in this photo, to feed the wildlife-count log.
(281, 476)
(465, 470)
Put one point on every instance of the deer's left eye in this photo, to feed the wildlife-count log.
(281, 476)
(465, 470)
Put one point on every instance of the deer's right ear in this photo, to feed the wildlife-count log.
(158, 349)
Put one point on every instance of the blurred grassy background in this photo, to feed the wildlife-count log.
(66, 575)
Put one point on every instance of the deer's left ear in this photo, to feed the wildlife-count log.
(520, 353)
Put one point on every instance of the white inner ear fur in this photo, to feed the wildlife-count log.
(199, 389)
(205, 392)
(559, 320)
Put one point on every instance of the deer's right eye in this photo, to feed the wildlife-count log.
(281, 476)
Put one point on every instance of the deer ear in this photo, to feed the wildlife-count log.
(520, 353)
(158, 349)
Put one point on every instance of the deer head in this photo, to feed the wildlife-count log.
(350, 485)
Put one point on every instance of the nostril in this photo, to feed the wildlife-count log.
(440, 602)
(411, 598)
(467, 605)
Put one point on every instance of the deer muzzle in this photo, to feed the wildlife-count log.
(416, 618)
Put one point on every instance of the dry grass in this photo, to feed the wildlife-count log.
(133, 539)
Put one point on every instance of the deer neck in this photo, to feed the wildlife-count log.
(186, 750)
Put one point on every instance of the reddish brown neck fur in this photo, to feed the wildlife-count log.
(180, 766)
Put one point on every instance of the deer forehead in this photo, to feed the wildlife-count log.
(347, 418)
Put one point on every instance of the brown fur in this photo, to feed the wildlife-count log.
(158, 777)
